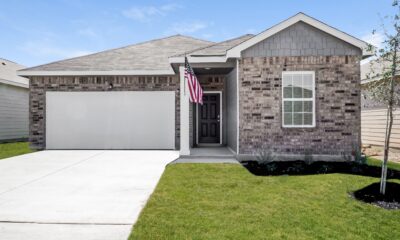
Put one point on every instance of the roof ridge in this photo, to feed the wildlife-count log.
(113, 49)
(5, 59)
(214, 44)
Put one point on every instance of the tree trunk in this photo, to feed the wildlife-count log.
(389, 120)
(389, 124)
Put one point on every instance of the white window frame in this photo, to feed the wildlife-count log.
(299, 99)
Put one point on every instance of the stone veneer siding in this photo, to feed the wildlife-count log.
(40, 85)
(208, 83)
(337, 81)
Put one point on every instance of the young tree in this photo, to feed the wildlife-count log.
(382, 87)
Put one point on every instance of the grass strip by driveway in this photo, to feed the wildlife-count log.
(225, 201)
(14, 149)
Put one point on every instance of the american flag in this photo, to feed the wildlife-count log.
(196, 93)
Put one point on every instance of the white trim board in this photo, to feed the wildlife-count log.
(95, 73)
(299, 99)
(14, 83)
(235, 52)
(220, 121)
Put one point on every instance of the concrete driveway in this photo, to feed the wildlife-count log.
(76, 194)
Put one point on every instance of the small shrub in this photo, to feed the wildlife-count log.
(308, 158)
(324, 168)
(265, 157)
(271, 167)
(297, 167)
(358, 156)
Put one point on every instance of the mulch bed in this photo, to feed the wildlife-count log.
(370, 194)
(275, 168)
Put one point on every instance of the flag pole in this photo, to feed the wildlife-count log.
(184, 80)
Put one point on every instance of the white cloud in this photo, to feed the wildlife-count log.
(186, 27)
(45, 49)
(147, 13)
(374, 39)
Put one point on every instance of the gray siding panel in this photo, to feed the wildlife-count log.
(301, 39)
(14, 106)
(231, 109)
(373, 127)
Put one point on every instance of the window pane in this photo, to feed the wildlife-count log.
(287, 119)
(287, 106)
(286, 80)
(307, 79)
(308, 106)
(298, 106)
(297, 86)
(287, 92)
(308, 118)
(298, 118)
(307, 92)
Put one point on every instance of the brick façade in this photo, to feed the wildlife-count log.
(40, 85)
(338, 123)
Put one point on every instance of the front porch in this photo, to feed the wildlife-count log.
(210, 130)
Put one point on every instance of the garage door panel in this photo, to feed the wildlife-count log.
(110, 120)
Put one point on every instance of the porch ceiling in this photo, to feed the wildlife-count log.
(212, 70)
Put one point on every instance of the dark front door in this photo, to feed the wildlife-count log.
(209, 118)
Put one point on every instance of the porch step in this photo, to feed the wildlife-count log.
(202, 159)
(209, 156)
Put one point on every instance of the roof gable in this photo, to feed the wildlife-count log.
(235, 52)
(8, 74)
(301, 39)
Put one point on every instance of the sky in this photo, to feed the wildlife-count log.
(39, 32)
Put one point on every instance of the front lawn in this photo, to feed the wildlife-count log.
(14, 149)
(376, 162)
(225, 201)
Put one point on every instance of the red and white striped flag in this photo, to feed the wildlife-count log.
(195, 90)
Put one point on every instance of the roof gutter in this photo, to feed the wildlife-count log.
(17, 84)
(27, 73)
(195, 59)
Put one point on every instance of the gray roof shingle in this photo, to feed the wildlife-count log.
(151, 55)
(218, 49)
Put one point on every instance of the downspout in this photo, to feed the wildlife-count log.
(237, 107)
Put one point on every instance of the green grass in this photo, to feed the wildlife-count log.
(14, 149)
(225, 201)
(376, 162)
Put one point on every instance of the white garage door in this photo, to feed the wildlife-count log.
(110, 120)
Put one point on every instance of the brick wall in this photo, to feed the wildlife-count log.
(39, 86)
(337, 105)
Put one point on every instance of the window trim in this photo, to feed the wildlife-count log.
(299, 99)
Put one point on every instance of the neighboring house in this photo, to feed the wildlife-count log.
(292, 89)
(373, 113)
(14, 103)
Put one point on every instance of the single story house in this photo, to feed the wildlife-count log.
(373, 113)
(292, 89)
(14, 103)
